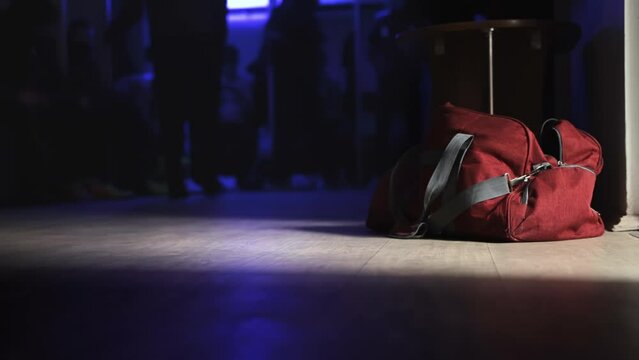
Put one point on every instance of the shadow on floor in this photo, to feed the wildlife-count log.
(299, 205)
(359, 229)
(136, 314)
(356, 230)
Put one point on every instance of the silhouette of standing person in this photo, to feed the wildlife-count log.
(399, 80)
(187, 51)
(292, 45)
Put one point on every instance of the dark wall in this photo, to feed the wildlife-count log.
(595, 98)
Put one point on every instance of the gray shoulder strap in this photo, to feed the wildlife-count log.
(415, 155)
(485, 190)
(455, 151)
(451, 158)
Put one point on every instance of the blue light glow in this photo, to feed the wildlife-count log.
(243, 16)
(108, 10)
(332, 2)
(252, 4)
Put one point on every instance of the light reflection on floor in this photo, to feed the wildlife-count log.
(296, 275)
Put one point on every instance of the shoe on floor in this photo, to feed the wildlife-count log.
(178, 192)
(212, 188)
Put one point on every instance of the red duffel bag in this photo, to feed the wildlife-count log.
(487, 176)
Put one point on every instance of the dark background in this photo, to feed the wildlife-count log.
(310, 99)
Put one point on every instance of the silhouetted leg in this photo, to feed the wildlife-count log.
(205, 73)
(202, 132)
(172, 143)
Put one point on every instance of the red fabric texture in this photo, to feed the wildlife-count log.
(557, 205)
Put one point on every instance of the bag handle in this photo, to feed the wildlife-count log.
(447, 171)
(482, 191)
(550, 139)
(451, 159)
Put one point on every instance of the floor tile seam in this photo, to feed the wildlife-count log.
(492, 258)
(361, 269)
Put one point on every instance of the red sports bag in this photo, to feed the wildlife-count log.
(486, 176)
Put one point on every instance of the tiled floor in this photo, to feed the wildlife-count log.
(296, 275)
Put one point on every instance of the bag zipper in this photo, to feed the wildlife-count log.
(524, 192)
(561, 164)
(560, 161)
(526, 179)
